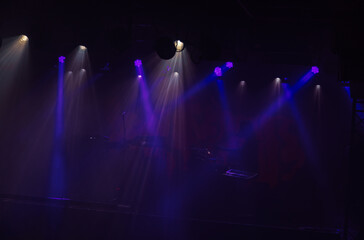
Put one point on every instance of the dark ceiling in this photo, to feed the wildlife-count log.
(231, 27)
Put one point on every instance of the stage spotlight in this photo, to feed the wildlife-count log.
(318, 86)
(218, 71)
(165, 48)
(277, 79)
(138, 63)
(179, 45)
(61, 59)
(23, 38)
(242, 83)
(315, 70)
(229, 64)
(139, 76)
(82, 47)
(175, 75)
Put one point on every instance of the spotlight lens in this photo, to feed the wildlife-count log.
(229, 65)
(138, 63)
(218, 71)
(139, 76)
(82, 47)
(61, 59)
(278, 79)
(179, 45)
(315, 70)
(23, 38)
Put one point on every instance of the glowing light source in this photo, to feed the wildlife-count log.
(229, 64)
(175, 75)
(318, 86)
(23, 38)
(277, 79)
(242, 83)
(179, 45)
(82, 47)
(61, 59)
(218, 71)
(139, 76)
(138, 63)
(315, 70)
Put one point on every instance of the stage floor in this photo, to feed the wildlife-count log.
(53, 218)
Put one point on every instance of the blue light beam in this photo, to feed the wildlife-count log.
(57, 172)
